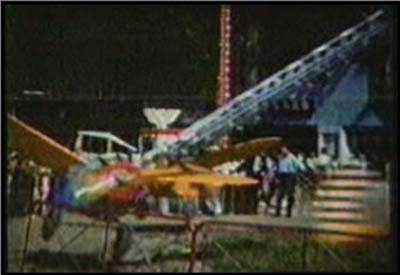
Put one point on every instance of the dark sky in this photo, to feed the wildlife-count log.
(154, 50)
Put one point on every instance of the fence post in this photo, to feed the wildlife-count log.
(204, 251)
(35, 179)
(193, 245)
(304, 251)
(103, 256)
(25, 250)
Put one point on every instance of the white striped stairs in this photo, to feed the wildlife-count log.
(351, 200)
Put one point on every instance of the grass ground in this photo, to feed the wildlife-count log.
(274, 251)
(283, 252)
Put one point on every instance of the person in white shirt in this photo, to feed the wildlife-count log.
(324, 161)
(269, 180)
(311, 162)
(288, 167)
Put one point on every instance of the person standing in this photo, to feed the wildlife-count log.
(288, 167)
(269, 181)
(324, 161)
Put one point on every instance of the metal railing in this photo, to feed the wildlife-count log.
(212, 246)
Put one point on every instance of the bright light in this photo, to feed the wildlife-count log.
(161, 117)
(28, 92)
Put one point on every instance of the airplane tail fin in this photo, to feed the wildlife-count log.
(39, 147)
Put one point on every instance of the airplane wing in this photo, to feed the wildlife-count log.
(193, 181)
(213, 180)
(240, 151)
(119, 184)
(174, 170)
(202, 185)
(39, 147)
(188, 180)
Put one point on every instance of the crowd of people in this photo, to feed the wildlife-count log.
(280, 176)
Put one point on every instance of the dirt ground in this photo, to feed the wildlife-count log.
(80, 245)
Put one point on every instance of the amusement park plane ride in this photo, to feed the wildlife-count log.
(111, 184)
(106, 188)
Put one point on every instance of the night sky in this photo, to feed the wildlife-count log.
(155, 50)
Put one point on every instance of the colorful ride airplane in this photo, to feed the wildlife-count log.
(107, 190)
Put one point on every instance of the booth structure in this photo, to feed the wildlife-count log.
(336, 117)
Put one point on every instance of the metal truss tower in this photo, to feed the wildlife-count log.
(321, 63)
